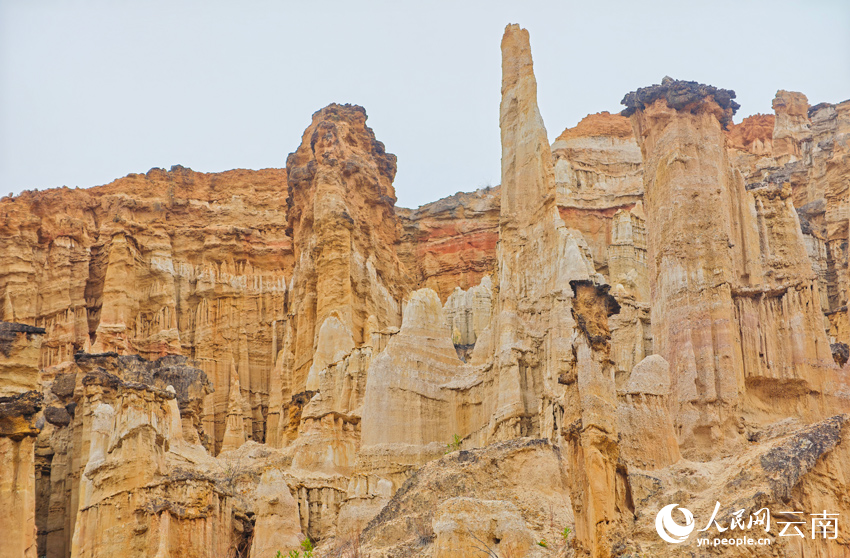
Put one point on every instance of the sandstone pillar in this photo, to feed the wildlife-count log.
(551, 325)
(791, 127)
(20, 400)
(735, 308)
(696, 245)
(344, 232)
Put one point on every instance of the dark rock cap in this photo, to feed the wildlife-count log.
(17, 413)
(13, 327)
(679, 96)
(9, 332)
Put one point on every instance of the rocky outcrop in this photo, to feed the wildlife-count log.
(830, 172)
(790, 468)
(597, 173)
(806, 149)
(648, 439)
(408, 415)
(754, 134)
(277, 526)
(551, 340)
(116, 457)
(651, 310)
(469, 526)
(451, 243)
(627, 266)
(468, 312)
(792, 127)
(20, 402)
(340, 169)
(344, 231)
(168, 262)
(718, 299)
(346, 299)
(521, 497)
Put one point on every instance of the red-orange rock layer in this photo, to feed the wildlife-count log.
(451, 242)
(600, 124)
(756, 127)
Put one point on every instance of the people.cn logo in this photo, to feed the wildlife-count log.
(667, 527)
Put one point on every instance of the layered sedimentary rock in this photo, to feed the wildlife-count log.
(20, 402)
(736, 309)
(169, 262)
(806, 148)
(540, 365)
(597, 168)
(598, 173)
(111, 458)
(127, 473)
(451, 242)
(468, 526)
(693, 316)
(645, 312)
(345, 301)
(627, 252)
(344, 231)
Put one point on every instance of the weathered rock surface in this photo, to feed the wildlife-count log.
(168, 262)
(598, 173)
(344, 231)
(791, 468)
(468, 312)
(20, 401)
(650, 310)
(719, 299)
(277, 526)
(647, 437)
(451, 242)
(521, 490)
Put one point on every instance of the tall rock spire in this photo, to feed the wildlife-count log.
(528, 178)
(551, 323)
(344, 232)
(689, 185)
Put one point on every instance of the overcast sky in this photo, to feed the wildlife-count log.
(91, 91)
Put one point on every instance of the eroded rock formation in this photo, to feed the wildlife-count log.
(175, 262)
(451, 243)
(736, 309)
(20, 402)
(652, 309)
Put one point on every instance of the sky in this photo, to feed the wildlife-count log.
(94, 90)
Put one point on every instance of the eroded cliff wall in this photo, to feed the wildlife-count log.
(20, 402)
(651, 309)
(170, 262)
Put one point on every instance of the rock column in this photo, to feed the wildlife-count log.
(20, 400)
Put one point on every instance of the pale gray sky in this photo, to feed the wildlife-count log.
(94, 90)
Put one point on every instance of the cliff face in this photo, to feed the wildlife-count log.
(652, 309)
(20, 402)
(451, 242)
(598, 172)
(807, 150)
(173, 262)
(748, 272)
